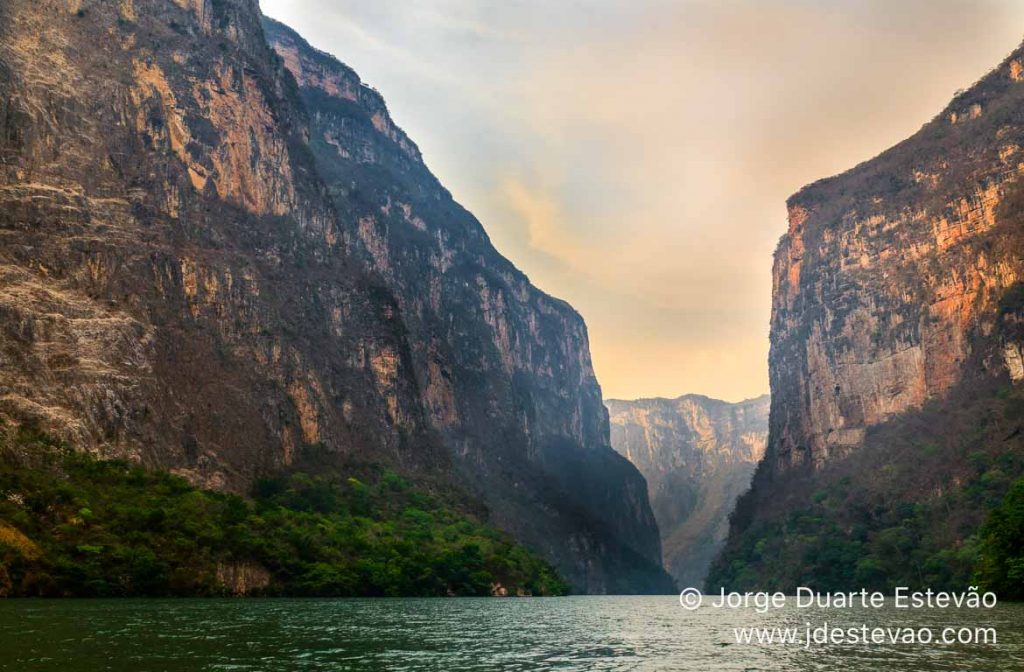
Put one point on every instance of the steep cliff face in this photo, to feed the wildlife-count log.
(895, 360)
(890, 271)
(176, 284)
(188, 283)
(504, 370)
(697, 455)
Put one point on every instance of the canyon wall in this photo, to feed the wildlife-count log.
(895, 362)
(888, 273)
(504, 369)
(697, 455)
(176, 288)
(218, 264)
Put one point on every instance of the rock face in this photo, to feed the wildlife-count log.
(697, 455)
(895, 357)
(242, 578)
(504, 369)
(175, 286)
(889, 274)
(211, 268)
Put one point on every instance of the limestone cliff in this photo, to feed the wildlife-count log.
(175, 283)
(187, 282)
(504, 369)
(890, 271)
(697, 455)
(895, 362)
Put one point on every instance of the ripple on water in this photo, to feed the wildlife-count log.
(463, 635)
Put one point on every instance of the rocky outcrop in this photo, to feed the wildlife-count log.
(503, 369)
(697, 455)
(242, 578)
(190, 279)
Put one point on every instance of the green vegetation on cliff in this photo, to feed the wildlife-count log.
(909, 508)
(72, 525)
(1001, 567)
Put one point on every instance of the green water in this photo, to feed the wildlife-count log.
(450, 635)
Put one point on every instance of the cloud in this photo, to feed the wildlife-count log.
(544, 223)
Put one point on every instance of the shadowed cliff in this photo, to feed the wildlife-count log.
(214, 265)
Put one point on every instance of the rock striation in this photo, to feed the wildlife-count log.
(697, 455)
(224, 259)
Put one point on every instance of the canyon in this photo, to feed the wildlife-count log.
(222, 258)
(698, 455)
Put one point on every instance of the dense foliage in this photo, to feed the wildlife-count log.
(907, 509)
(1002, 547)
(74, 525)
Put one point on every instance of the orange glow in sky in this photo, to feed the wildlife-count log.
(634, 158)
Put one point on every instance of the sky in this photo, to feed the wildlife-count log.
(633, 157)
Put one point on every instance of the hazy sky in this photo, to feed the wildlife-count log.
(634, 157)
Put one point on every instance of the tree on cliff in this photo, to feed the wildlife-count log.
(1001, 568)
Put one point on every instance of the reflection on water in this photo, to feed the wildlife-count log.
(451, 635)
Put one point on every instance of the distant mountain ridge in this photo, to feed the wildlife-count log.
(697, 455)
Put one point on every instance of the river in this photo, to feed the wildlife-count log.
(452, 635)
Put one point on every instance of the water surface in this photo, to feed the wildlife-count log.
(453, 635)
